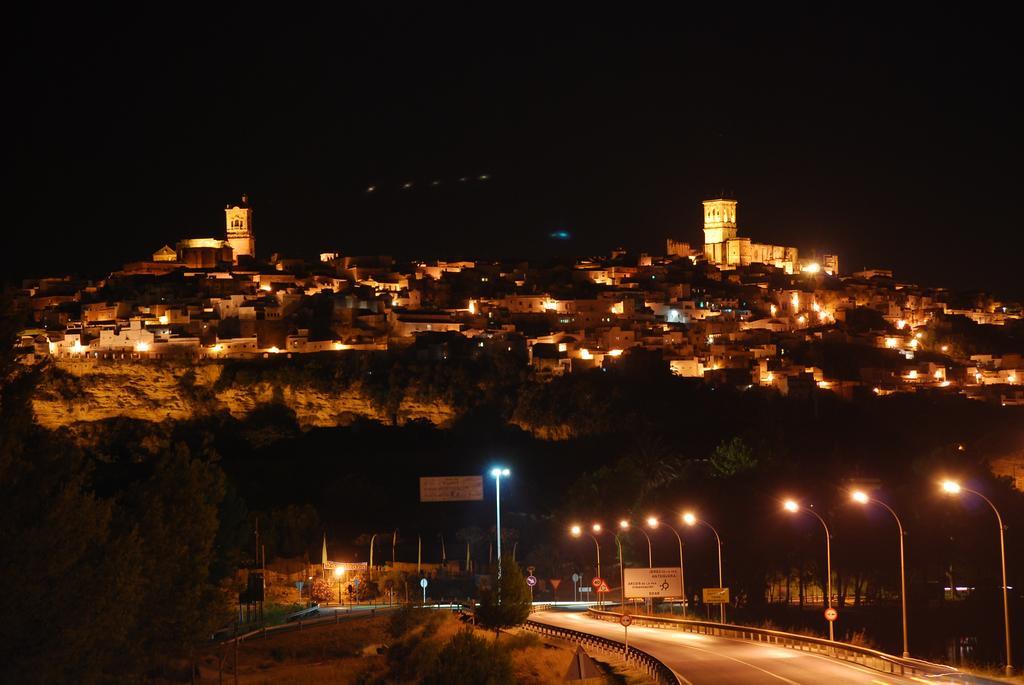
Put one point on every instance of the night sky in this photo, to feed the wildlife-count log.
(893, 140)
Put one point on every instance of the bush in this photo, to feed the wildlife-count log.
(470, 660)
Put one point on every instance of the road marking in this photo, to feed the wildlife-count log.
(880, 682)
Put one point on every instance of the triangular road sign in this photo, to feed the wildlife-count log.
(582, 667)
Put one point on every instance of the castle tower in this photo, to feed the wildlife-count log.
(719, 220)
(238, 220)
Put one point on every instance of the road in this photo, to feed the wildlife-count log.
(701, 659)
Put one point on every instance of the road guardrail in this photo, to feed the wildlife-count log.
(844, 651)
(655, 668)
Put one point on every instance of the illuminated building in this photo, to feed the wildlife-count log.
(724, 247)
(238, 220)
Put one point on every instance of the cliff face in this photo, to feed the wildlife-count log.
(73, 391)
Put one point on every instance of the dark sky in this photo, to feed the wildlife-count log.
(893, 140)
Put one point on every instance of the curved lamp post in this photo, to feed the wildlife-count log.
(577, 531)
(653, 522)
(792, 507)
(953, 488)
(497, 473)
(862, 498)
(691, 520)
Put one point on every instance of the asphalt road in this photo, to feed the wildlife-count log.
(701, 659)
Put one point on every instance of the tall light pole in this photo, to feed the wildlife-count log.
(577, 531)
(792, 507)
(497, 473)
(691, 520)
(653, 522)
(623, 525)
(862, 498)
(373, 538)
(954, 488)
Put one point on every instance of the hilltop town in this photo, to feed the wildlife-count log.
(729, 311)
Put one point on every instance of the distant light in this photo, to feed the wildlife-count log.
(407, 185)
(497, 472)
(652, 522)
(951, 486)
(891, 343)
(901, 324)
(217, 348)
(370, 189)
(689, 519)
(273, 350)
(596, 527)
(337, 572)
(624, 524)
(164, 319)
(859, 496)
(812, 268)
(483, 177)
(945, 348)
(617, 353)
(576, 531)
(790, 505)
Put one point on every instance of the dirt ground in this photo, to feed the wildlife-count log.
(347, 653)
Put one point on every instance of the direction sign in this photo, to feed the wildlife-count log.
(716, 595)
(345, 565)
(626, 620)
(586, 589)
(831, 614)
(451, 488)
(653, 582)
(423, 582)
(596, 581)
(603, 587)
(530, 580)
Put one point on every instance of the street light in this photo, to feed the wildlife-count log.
(497, 473)
(691, 520)
(624, 525)
(337, 574)
(792, 507)
(954, 488)
(862, 498)
(653, 523)
(577, 532)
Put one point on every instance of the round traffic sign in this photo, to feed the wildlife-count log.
(575, 577)
(531, 580)
(831, 614)
(626, 619)
(423, 582)
(596, 582)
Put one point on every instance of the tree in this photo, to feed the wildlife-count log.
(732, 458)
(322, 590)
(507, 602)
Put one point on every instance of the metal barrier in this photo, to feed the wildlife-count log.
(304, 623)
(862, 656)
(657, 670)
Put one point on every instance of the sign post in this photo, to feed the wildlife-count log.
(575, 586)
(451, 488)
(531, 580)
(626, 620)
(648, 583)
(423, 584)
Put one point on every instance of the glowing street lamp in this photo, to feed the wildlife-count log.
(691, 520)
(954, 488)
(792, 507)
(624, 525)
(577, 531)
(862, 498)
(337, 574)
(497, 473)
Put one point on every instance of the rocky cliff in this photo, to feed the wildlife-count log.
(72, 391)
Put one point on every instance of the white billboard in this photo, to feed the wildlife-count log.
(451, 488)
(653, 582)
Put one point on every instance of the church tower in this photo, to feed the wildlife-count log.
(238, 219)
(719, 220)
